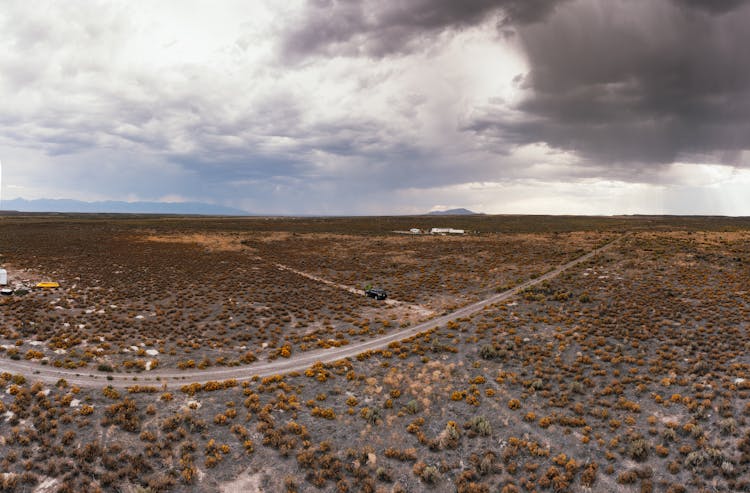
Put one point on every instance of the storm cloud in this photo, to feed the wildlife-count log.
(379, 28)
(344, 106)
(636, 82)
(715, 6)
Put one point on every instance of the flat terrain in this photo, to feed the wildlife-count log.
(299, 362)
(627, 371)
(140, 295)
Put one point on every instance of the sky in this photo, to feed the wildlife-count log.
(361, 107)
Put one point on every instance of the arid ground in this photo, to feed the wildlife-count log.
(627, 371)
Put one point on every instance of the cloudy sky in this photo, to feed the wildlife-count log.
(380, 106)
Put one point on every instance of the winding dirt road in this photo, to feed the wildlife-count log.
(93, 379)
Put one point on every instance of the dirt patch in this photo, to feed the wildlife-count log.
(212, 242)
(247, 482)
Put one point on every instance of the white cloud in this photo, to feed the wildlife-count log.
(714, 190)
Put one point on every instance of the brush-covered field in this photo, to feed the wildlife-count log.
(627, 372)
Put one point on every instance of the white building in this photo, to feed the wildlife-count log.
(448, 231)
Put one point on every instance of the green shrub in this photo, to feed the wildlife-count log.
(412, 407)
(488, 352)
(480, 425)
(430, 475)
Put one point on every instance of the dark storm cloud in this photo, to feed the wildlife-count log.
(634, 82)
(381, 27)
(715, 6)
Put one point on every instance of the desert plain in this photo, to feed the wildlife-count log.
(531, 353)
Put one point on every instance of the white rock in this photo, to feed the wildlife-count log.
(49, 484)
(152, 352)
(75, 403)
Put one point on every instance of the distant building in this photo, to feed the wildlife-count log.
(415, 231)
(446, 231)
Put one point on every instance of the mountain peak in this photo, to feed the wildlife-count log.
(453, 212)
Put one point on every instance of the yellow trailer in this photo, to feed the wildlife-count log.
(48, 285)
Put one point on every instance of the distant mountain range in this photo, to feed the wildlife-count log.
(67, 205)
(453, 212)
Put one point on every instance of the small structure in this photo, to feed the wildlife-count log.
(415, 231)
(3, 277)
(446, 231)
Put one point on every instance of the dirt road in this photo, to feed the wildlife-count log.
(298, 362)
(360, 292)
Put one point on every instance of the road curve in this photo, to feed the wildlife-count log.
(86, 378)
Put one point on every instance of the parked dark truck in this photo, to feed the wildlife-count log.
(377, 293)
